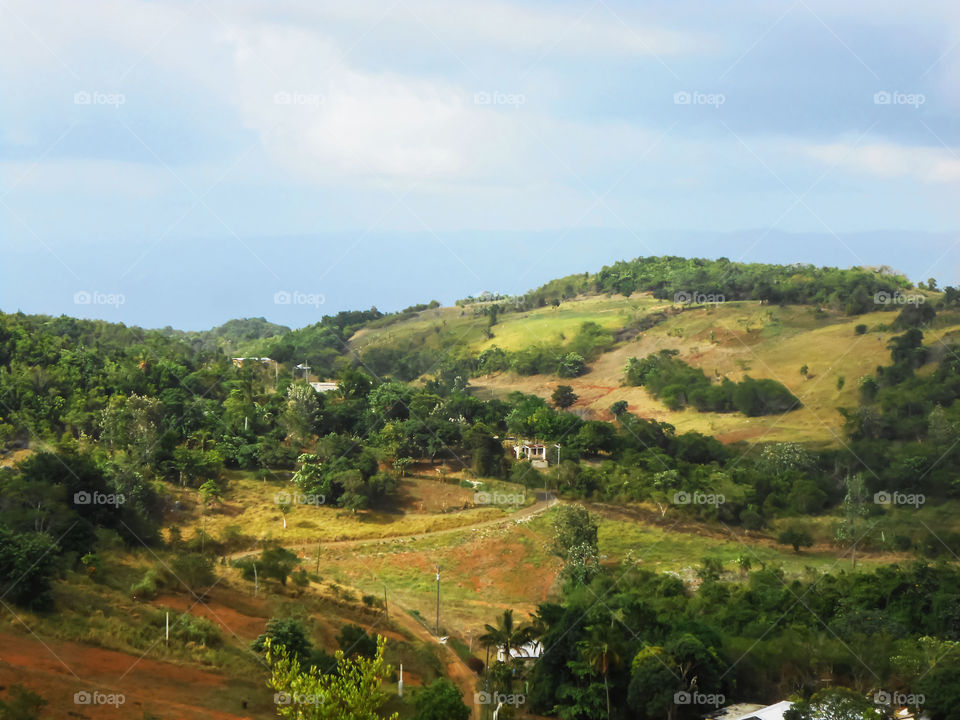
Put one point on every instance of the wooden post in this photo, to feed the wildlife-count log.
(438, 601)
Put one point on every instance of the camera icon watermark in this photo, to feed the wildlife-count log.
(295, 297)
(496, 497)
(896, 298)
(84, 697)
(488, 698)
(885, 97)
(684, 697)
(684, 297)
(287, 698)
(96, 97)
(898, 699)
(82, 497)
(484, 97)
(695, 97)
(297, 498)
(294, 97)
(698, 498)
(95, 297)
(898, 498)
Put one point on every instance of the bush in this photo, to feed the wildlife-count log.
(146, 588)
(195, 572)
(797, 537)
(190, 628)
(860, 329)
(353, 640)
(441, 700)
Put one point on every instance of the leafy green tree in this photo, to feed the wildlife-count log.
(796, 537)
(855, 508)
(573, 527)
(571, 365)
(834, 704)
(23, 704)
(601, 652)
(300, 413)
(27, 564)
(563, 397)
(354, 692)
(653, 683)
(277, 563)
(288, 633)
(619, 408)
(440, 700)
(353, 641)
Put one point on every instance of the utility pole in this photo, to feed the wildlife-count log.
(438, 601)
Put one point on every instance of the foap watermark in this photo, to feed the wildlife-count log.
(698, 698)
(286, 698)
(295, 297)
(498, 498)
(898, 498)
(96, 97)
(84, 697)
(683, 297)
(294, 97)
(82, 497)
(899, 699)
(297, 498)
(695, 97)
(95, 297)
(496, 97)
(488, 698)
(885, 97)
(896, 298)
(698, 498)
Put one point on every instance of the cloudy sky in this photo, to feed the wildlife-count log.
(183, 162)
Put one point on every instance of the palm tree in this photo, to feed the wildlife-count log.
(507, 635)
(600, 653)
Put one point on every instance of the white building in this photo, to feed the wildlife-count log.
(530, 651)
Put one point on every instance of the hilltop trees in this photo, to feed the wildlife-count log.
(678, 385)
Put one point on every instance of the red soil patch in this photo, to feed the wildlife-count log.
(231, 621)
(57, 670)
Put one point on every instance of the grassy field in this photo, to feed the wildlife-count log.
(727, 340)
(250, 513)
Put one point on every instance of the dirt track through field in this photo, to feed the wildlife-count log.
(457, 669)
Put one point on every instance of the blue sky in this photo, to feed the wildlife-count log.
(197, 158)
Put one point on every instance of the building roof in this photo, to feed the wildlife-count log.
(771, 712)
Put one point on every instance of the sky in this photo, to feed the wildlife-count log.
(182, 163)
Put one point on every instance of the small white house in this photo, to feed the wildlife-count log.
(324, 387)
(770, 712)
(530, 651)
(238, 361)
(530, 451)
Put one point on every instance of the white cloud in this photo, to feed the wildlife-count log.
(890, 161)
